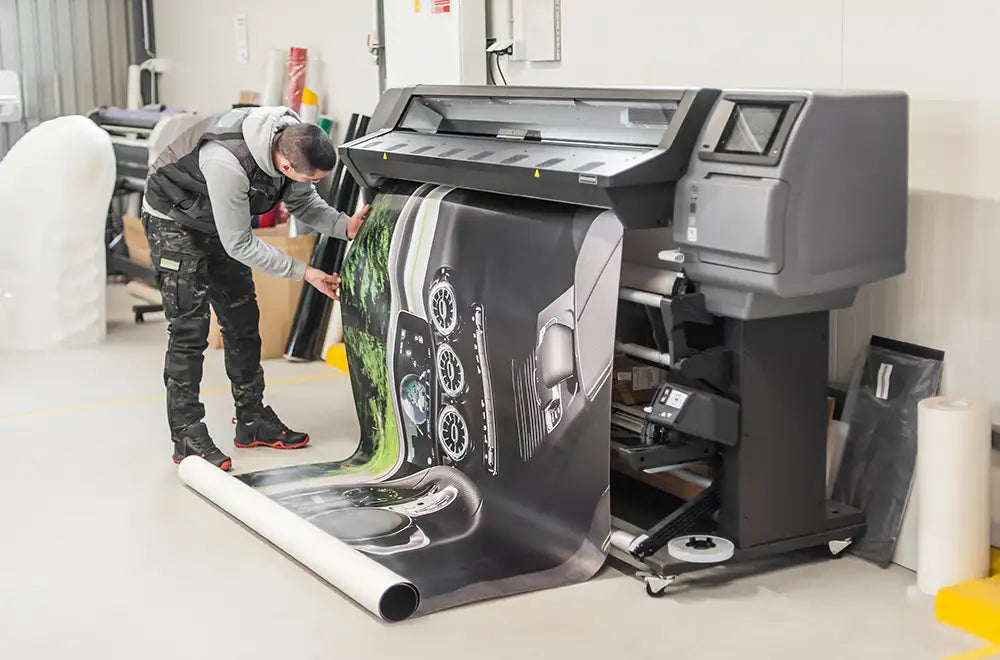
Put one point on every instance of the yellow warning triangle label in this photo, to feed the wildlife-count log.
(385, 157)
(537, 175)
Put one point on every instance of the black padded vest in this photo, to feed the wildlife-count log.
(176, 187)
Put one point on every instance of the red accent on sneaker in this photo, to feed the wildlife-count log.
(225, 467)
(278, 445)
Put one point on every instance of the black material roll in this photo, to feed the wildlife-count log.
(305, 341)
(346, 200)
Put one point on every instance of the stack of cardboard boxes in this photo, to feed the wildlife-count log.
(277, 297)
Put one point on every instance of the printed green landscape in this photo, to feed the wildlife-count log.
(366, 305)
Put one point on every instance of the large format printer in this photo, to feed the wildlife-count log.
(750, 215)
(138, 137)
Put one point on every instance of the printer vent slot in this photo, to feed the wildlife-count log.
(550, 162)
(396, 146)
(450, 152)
(589, 166)
(513, 159)
(481, 155)
(426, 147)
(374, 144)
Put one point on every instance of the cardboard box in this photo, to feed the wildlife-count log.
(135, 241)
(277, 297)
(634, 382)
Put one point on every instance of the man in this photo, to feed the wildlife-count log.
(200, 195)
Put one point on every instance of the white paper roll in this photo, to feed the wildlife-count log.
(274, 73)
(133, 88)
(645, 278)
(953, 514)
(995, 499)
(309, 113)
(370, 584)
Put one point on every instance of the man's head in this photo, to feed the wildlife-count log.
(303, 152)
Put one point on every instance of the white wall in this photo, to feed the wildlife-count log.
(944, 55)
(198, 38)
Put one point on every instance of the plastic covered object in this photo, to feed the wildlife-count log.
(56, 184)
(877, 469)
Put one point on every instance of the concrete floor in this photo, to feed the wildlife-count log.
(103, 554)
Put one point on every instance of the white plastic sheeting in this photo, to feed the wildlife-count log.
(56, 184)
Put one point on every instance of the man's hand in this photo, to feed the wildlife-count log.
(325, 284)
(354, 224)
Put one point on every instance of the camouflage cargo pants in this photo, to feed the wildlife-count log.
(194, 271)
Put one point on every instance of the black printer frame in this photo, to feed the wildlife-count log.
(770, 490)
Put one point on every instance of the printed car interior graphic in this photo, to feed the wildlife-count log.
(480, 365)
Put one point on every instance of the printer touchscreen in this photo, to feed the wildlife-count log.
(751, 129)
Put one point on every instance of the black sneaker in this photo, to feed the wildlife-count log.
(195, 441)
(266, 430)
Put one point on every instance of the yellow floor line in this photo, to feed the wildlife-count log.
(978, 654)
(161, 397)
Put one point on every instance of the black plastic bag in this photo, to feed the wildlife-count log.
(880, 456)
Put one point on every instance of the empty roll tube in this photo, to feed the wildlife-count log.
(641, 297)
(644, 353)
(621, 540)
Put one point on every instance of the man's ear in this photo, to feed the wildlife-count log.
(284, 165)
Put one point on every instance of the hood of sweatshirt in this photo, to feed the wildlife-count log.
(259, 131)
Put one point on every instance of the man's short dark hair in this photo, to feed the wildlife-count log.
(308, 148)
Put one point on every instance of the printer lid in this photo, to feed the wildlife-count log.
(621, 149)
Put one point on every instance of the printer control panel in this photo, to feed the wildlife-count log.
(668, 404)
(695, 413)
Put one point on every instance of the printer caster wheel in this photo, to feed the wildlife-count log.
(656, 585)
(837, 549)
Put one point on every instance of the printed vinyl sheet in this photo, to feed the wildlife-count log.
(480, 333)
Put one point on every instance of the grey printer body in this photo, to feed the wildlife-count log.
(793, 201)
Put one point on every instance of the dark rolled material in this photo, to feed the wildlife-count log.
(147, 119)
(305, 341)
(346, 199)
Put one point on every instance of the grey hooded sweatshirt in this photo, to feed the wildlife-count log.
(229, 188)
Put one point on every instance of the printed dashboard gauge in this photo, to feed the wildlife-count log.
(453, 433)
(444, 308)
(451, 375)
(415, 398)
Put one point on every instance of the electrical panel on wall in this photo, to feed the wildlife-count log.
(536, 30)
(434, 42)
